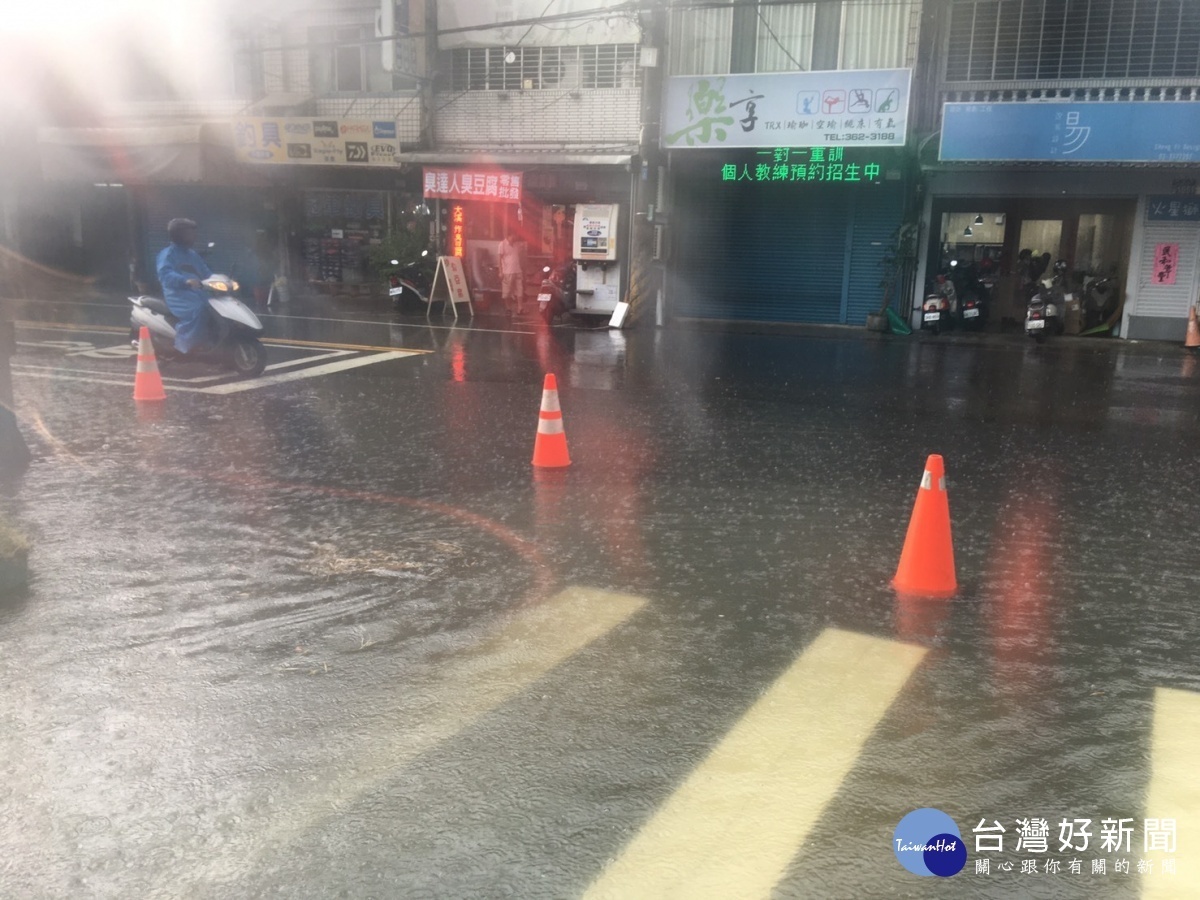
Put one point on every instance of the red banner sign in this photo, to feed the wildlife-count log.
(458, 231)
(1166, 261)
(473, 184)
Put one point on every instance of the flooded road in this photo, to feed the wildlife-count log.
(335, 637)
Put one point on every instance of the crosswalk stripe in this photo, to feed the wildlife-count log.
(1174, 793)
(533, 643)
(737, 821)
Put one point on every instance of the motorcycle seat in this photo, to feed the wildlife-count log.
(155, 304)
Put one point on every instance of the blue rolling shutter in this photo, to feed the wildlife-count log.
(877, 215)
(774, 254)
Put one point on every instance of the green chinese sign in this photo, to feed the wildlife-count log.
(809, 164)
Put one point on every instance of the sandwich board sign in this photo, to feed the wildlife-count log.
(449, 286)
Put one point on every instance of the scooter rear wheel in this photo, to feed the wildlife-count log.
(248, 357)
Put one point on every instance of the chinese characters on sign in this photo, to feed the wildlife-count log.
(1143, 131)
(803, 109)
(815, 164)
(1173, 209)
(457, 231)
(473, 184)
(321, 142)
(1034, 837)
(1166, 261)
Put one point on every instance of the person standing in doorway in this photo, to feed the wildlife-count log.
(512, 288)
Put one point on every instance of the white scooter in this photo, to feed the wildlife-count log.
(1044, 315)
(236, 329)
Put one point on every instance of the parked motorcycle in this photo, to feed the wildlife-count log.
(937, 312)
(410, 284)
(556, 296)
(973, 295)
(236, 329)
(1099, 303)
(1044, 315)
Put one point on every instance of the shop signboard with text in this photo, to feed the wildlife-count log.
(1146, 131)
(316, 142)
(487, 185)
(860, 108)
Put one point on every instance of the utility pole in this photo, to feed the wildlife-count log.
(644, 277)
(14, 455)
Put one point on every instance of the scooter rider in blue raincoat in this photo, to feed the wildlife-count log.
(180, 270)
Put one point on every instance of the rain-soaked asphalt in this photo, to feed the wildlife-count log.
(335, 637)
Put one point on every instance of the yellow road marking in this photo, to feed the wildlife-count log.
(329, 345)
(734, 825)
(536, 641)
(1174, 793)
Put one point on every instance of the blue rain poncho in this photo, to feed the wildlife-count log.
(176, 265)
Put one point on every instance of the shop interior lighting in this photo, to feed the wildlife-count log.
(979, 219)
(967, 232)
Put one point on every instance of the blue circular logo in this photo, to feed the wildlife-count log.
(928, 842)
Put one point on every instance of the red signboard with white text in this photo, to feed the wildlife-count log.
(489, 186)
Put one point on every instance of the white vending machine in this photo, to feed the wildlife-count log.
(597, 270)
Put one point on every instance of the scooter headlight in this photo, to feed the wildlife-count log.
(219, 285)
(233, 285)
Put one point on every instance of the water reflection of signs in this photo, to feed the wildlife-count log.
(860, 101)
(1166, 262)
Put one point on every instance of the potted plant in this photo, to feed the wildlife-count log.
(897, 263)
(14, 559)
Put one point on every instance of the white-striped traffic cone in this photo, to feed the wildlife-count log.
(550, 447)
(147, 384)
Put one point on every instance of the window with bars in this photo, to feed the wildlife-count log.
(1026, 40)
(542, 68)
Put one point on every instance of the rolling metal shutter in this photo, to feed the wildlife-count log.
(774, 255)
(1171, 300)
(227, 217)
(877, 214)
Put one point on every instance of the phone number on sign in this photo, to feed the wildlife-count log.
(835, 138)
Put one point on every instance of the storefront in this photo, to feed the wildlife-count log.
(1107, 187)
(478, 203)
(807, 247)
(787, 192)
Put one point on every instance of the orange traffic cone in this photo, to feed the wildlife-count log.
(1193, 331)
(550, 447)
(927, 562)
(147, 384)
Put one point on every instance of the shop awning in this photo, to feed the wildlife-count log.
(516, 158)
(135, 153)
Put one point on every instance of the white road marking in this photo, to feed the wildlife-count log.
(733, 826)
(262, 381)
(235, 387)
